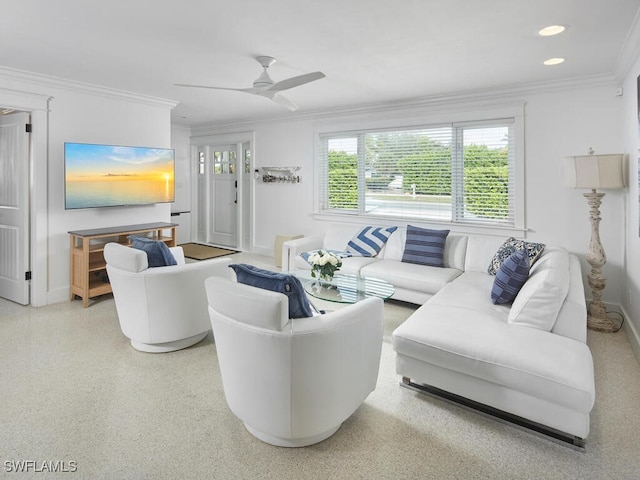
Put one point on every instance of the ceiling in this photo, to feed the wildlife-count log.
(371, 51)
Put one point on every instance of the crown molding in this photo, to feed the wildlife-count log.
(630, 51)
(48, 81)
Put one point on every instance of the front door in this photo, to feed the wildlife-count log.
(224, 188)
(14, 207)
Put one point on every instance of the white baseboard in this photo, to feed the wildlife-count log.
(632, 334)
(264, 251)
(58, 295)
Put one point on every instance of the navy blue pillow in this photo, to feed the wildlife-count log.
(158, 254)
(277, 282)
(424, 246)
(510, 277)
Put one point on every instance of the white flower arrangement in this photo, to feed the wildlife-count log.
(324, 264)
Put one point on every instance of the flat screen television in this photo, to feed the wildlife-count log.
(115, 176)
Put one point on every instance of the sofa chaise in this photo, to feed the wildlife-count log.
(525, 361)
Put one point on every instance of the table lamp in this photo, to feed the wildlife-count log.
(596, 172)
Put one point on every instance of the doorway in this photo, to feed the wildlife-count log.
(223, 194)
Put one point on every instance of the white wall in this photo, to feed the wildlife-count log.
(567, 123)
(88, 114)
(559, 122)
(631, 131)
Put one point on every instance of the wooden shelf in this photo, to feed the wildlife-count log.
(88, 268)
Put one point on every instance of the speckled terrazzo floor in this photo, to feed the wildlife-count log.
(72, 390)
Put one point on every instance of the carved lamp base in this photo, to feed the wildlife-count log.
(602, 324)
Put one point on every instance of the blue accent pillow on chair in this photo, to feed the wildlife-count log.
(158, 254)
(510, 277)
(424, 246)
(299, 306)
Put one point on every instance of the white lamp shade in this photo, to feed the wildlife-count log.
(595, 171)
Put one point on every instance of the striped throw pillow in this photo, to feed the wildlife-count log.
(424, 246)
(369, 241)
(510, 277)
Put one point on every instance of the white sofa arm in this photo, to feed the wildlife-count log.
(292, 248)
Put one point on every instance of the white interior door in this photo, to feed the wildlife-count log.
(14, 207)
(224, 189)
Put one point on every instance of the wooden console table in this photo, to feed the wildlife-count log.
(88, 267)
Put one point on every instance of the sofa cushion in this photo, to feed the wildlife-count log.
(289, 285)
(470, 292)
(337, 253)
(369, 241)
(158, 254)
(547, 366)
(541, 297)
(337, 235)
(411, 276)
(511, 245)
(424, 246)
(573, 313)
(510, 278)
(480, 250)
(350, 265)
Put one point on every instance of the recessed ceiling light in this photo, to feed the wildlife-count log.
(551, 30)
(553, 61)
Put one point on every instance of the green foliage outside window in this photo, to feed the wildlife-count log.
(343, 180)
(426, 164)
(486, 181)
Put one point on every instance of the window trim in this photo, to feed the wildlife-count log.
(457, 115)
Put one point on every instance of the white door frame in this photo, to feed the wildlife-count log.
(38, 106)
(244, 207)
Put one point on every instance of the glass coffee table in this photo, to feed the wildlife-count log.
(345, 288)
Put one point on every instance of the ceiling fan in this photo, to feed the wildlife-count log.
(266, 87)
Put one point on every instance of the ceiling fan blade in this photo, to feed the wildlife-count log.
(296, 81)
(245, 90)
(285, 102)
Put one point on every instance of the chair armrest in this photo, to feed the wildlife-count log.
(293, 248)
(335, 362)
(177, 293)
(178, 254)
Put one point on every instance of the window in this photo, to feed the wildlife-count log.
(224, 162)
(459, 173)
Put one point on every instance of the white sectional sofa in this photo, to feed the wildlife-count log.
(527, 361)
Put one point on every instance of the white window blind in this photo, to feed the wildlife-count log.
(452, 173)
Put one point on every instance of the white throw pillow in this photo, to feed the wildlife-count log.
(541, 297)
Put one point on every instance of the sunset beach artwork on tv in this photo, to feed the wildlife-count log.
(110, 175)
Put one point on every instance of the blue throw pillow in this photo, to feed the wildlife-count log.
(299, 306)
(158, 254)
(369, 241)
(424, 246)
(510, 277)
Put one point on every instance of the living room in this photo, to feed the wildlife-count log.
(559, 118)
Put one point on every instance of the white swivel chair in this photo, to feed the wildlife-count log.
(292, 382)
(161, 309)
